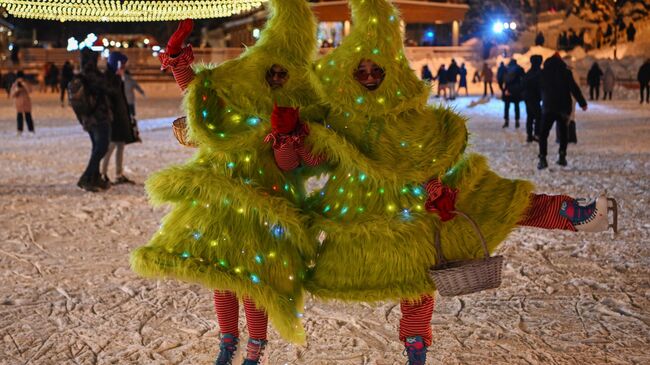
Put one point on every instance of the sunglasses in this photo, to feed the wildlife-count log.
(376, 73)
(280, 74)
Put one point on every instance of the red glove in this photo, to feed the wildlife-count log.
(441, 200)
(175, 43)
(284, 119)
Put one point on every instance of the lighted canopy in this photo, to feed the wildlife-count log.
(126, 10)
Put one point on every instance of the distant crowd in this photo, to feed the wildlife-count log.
(550, 94)
(589, 39)
(102, 101)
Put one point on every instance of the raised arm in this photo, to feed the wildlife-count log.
(177, 57)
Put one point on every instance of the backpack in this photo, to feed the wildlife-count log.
(82, 101)
(514, 81)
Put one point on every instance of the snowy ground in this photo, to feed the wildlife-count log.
(68, 296)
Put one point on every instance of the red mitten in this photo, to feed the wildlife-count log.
(175, 43)
(284, 119)
(445, 201)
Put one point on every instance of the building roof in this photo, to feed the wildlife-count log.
(411, 11)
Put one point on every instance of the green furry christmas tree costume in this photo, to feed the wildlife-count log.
(383, 145)
(232, 225)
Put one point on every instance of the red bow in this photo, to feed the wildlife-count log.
(441, 199)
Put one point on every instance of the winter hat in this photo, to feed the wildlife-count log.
(284, 119)
(114, 60)
(536, 60)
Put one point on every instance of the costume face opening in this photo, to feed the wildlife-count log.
(369, 74)
(277, 76)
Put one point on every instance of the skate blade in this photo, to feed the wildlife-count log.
(612, 206)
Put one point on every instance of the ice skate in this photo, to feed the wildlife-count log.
(255, 354)
(229, 352)
(542, 164)
(415, 350)
(123, 180)
(593, 215)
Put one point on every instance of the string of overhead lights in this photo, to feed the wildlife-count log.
(126, 10)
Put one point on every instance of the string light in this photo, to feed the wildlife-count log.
(126, 10)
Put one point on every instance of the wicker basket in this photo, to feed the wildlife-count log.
(466, 276)
(179, 127)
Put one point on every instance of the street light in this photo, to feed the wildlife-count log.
(499, 26)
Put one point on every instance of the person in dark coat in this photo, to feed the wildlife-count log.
(67, 72)
(593, 79)
(441, 77)
(512, 91)
(609, 32)
(98, 122)
(557, 85)
(122, 132)
(501, 74)
(452, 76)
(425, 74)
(631, 32)
(533, 98)
(487, 75)
(462, 72)
(539, 39)
(53, 78)
(644, 80)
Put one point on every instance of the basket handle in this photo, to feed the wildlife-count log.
(440, 258)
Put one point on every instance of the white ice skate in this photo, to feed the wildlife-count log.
(593, 215)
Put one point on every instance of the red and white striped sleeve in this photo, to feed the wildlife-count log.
(180, 65)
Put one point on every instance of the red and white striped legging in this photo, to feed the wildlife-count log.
(181, 66)
(226, 305)
(543, 212)
(416, 316)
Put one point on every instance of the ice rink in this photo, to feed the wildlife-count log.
(69, 297)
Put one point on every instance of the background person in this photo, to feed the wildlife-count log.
(121, 131)
(512, 91)
(558, 85)
(487, 75)
(130, 86)
(462, 72)
(609, 81)
(533, 98)
(20, 91)
(644, 80)
(67, 72)
(593, 79)
(96, 121)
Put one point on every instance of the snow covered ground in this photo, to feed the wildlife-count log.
(68, 296)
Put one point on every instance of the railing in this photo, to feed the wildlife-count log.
(146, 67)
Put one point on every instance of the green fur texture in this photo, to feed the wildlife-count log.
(382, 146)
(375, 35)
(233, 224)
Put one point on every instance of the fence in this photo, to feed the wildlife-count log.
(146, 67)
